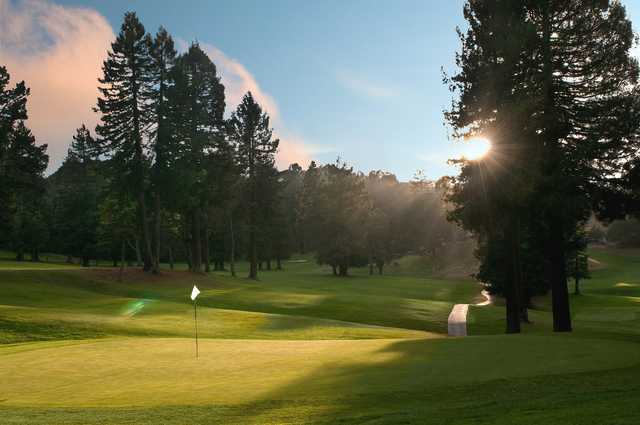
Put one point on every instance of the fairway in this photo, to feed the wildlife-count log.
(322, 213)
(280, 351)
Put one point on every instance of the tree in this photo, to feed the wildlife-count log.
(26, 163)
(552, 85)
(13, 108)
(163, 55)
(250, 131)
(306, 212)
(197, 105)
(117, 224)
(341, 207)
(489, 196)
(588, 118)
(75, 189)
(378, 232)
(126, 108)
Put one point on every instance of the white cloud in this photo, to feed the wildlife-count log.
(238, 81)
(364, 86)
(58, 51)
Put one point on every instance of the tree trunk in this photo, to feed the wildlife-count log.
(207, 265)
(170, 256)
(232, 257)
(122, 254)
(35, 255)
(278, 263)
(158, 226)
(343, 269)
(196, 241)
(269, 264)
(335, 271)
(555, 237)
(559, 290)
(380, 267)
(253, 253)
(512, 289)
(138, 259)
(146, 234)
(370, 263)
(576, 290)
(253, 248)
(85, 261)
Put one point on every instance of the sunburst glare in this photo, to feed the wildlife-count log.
(475, 148)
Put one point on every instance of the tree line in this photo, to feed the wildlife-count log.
(167, 177)
(553, 85)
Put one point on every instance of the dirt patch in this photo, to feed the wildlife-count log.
(137, 275)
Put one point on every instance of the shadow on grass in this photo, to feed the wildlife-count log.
(410, 381)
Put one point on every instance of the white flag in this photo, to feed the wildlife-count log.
(194, 293)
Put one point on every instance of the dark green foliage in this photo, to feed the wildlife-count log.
(163, 54)
(340, 209)
(75, 191)
(13, 108)
(127, 110)
(196, 103)
(625, 233)
(250, 131)
(26, 163)
(559, 130)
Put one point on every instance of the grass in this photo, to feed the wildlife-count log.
(300, 346)
(608, 306)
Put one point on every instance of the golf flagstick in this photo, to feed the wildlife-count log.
(194, 294)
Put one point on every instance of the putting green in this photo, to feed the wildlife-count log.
(163, 371)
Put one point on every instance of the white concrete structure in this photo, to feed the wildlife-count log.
(457, 322)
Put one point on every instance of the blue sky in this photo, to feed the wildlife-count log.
(356, 79)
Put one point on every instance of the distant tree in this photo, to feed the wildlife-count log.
(342, 206)
(126, 107)
(75, 190)
(578, 269)
(378, 235)
(256, 148)
(26, 163)
(13, 108)
(117, 225)
(624, 233)
(275, 236)
(306, 213)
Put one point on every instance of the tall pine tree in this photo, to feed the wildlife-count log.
(127, 112)
(250, 131)
(164, 55)
(197, 105)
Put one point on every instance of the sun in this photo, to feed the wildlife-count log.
(475, 148)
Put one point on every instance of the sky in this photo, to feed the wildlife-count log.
(358, 79)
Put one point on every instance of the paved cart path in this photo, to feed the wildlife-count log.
(457, 322)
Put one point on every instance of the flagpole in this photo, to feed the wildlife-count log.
(195, 317)
(194, 297)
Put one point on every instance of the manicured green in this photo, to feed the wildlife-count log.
(302, 346)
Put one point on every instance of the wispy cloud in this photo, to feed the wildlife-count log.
(364, 86)
(238, 80)
(58, 51)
